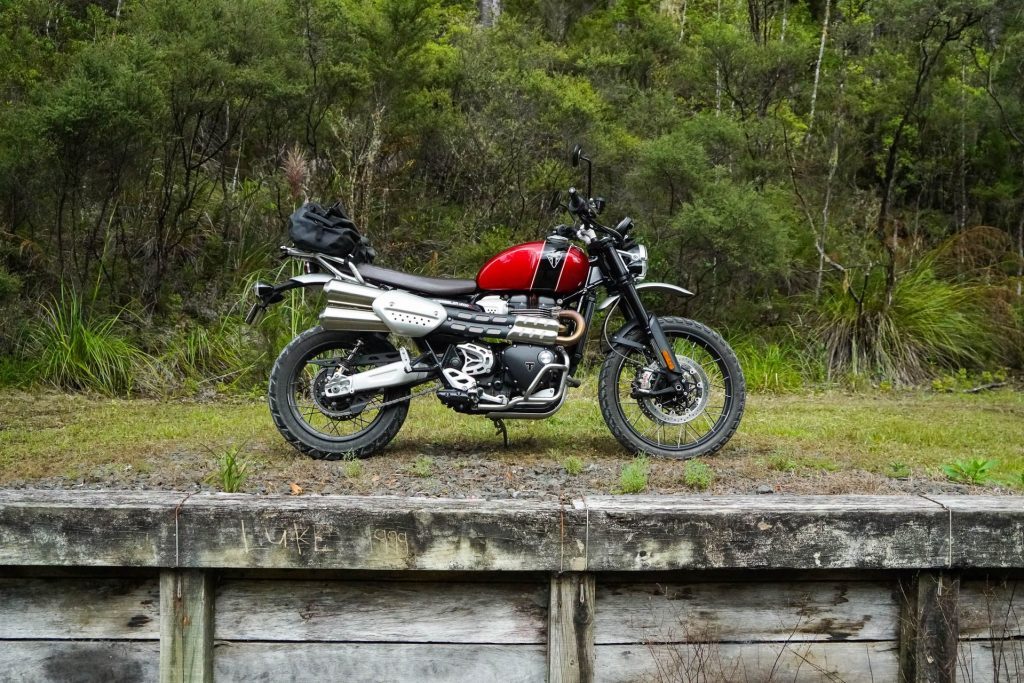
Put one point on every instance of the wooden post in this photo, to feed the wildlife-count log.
(571, 628)
(186, 625)
(929, 627)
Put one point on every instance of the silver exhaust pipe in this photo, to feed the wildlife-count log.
(351, 320)
(341, 293)
(348, 308)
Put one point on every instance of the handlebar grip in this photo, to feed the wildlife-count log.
(576, 203)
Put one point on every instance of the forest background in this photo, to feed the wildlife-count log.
(840, 182)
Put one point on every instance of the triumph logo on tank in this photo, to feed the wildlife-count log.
(554, 258)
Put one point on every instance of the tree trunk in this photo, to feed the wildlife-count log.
(833, 164)
(817, 68)
(490, 10)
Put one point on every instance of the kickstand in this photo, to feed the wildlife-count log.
(499, 425)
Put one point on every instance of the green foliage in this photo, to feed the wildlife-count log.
(217, 355)
(898, 470)
(353, 469)
(927, 322)
(770, 367)
(573, 465)
(975, 471)
(962, 380)
(422, 466)
(150, 154)
(80, 350)
(698, 475)
(782, 463)
(633, 475)
(231, 471)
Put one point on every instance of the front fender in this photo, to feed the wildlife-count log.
(611, 301)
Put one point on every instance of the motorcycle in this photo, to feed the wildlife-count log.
(506, 345)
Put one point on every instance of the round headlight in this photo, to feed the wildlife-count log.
(635, 259)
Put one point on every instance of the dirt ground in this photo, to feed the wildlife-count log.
(794, 444)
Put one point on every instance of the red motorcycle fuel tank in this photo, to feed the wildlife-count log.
(552, 266)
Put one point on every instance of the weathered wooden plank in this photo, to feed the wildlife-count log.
(80, 608)
(186, 626)
(929, 628)
(329, 532)
(806, 532)
(379, 533)
(999, 661)
(47, 661)
(422, 663)
(748, 612)
(991, 609)
(571, 628)
(367, 611)
(731, 663)
(87, 528)
(986, 531)
(613, 534)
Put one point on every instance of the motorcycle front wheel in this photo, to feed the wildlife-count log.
(695, 422)
(330, 428)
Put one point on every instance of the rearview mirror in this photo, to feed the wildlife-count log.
(577, 152)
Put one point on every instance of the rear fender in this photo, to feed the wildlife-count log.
(267, 294)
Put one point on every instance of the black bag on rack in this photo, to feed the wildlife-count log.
(329, 231)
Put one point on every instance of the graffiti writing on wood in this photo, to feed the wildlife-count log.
(389, 542)
(302, 539)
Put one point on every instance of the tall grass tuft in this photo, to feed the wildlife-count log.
(770, 367)
(220, 354)
(82, 351)
(929, 322)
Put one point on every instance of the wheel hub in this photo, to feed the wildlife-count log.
(678, 407)
(334, 407)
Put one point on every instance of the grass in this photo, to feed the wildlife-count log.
(422, 467)
(697, 475)
(930, 321)
(573, 465)
(231, 471)
(633, 476)
(805, 443)
(353, 469)
(76, 349)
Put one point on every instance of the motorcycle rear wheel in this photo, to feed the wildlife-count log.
(319, 426)
(674, 427)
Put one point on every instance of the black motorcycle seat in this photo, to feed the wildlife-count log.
(436, 286)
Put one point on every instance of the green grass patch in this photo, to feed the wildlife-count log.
(573, 465)
(232, 470)
(633, 475)
(422, 467)
(697, 475)
(782, 437)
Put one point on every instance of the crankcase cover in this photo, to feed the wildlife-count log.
(524, 363)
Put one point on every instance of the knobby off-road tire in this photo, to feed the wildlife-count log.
(664, 429)
(312, 431)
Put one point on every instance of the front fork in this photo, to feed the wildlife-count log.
(635, 310)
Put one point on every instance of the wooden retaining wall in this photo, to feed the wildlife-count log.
(172, 587)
